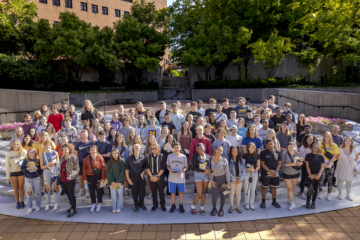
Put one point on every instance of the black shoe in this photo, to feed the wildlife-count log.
(72, 213)
(62, 192)
(276, 204)
(69, 210)
(221, 213)
(263, 205)
(22, 205)
(181, 207)
(227, 195)
(308, 205)
(213, 212)
(172, 209)
(136, 209)
(143, 207)
(313, 206)
(154, 208)
(163, 208)
(18, 205)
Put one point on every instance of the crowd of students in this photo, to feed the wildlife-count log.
(227, 148)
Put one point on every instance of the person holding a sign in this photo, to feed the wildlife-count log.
(291, 163)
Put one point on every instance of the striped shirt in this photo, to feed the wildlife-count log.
(71, 133)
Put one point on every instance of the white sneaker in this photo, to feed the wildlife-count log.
(80, 193)
(92, 209)
(98, 208)
(328, 197)
(118, 210)
(319, 195)
(87, 193)
(302, 196)
(289, 201)
(193, 196)
(247, 206)
(292, 206)
(149, 195)
(113, 211)
(37, 209)
(252, 207)
(30, 210)
(349, 197)
(340, 196)
(47, 208)
(56, 207)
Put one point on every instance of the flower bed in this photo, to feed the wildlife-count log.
(7, 129)
(316, 122)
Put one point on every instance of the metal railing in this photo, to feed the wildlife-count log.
(104, 106)
(32, 110)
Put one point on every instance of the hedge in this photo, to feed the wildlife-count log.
(248, 83)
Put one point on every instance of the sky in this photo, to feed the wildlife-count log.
(169, 2)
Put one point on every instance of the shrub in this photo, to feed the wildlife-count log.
(248, 83)
(175, 73)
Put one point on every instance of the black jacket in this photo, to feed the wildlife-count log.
(196, 161)
(157, 115)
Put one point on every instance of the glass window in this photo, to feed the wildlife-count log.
(43, 1)
(126, 13)
(117, 13)
(68, 3)
(94, 8)
(83, 6)
(56, 2)
(56, 22)
(105, 10)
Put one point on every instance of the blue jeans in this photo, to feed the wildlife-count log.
(47, 182)
(119, 194)
(30, 185)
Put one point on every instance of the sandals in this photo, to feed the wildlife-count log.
(231, 209)
(238, 210)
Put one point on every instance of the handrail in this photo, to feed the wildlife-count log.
(318, 106)
(32, 110)
(104, 106)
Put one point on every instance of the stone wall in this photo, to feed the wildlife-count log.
(23, 102)
(174, 88)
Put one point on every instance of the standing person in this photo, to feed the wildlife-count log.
(338, 140)
(115, 173)
(263, 131)
(135, 167)
(264, 107)
(47, 114)
(291, 163)
(199, 122)
(184, 138)
(82, 151)
(166, 151)
(107, 128)
(292, 126)
(126, 127)
(64, 141)
(13, 160)
(303, 151)
(55, 118)
(94, 172)
(152, 129)
(212, 121)
(67, 114)
(88, 114)
(284, 136)
(241, 109)
(193, 111)
(300, 125)
(307, 130)
(226, 108)
(19, 135)
(160, 114)
(278, 118)
(190, 120)
(115, 122)
(220, 169)
(252, 161)
(232, 120)
(234, 139)
(287, 110)
(208, 133)
(34, 136)
(44, 108)
(74, 115)
(40, 147)
(265, 116)
(137, 140)
(28, 124)
(96, 128)
(222, 124)
(271, 135)
(134, 121)
(177, 166)
(221, 141)
(345, 171)
(156, 163)
(257, 123)
(49, 163)
(112, 136)
(69, 131)
(139, 109)
(32, 171)
(251, 135)
(102, 121)
(272, 104)
(249, 120)
(69, 165)
(148, 114)
(241, 127)
(139, 129)
(162, 138)
(51, 131)
(211, 109)
(331, 152)
(63, 108)
(315, 167)
(237, 175)
(104, 147)
(219, 114)
(201, 165)
(169, 124)
(121, 113)
(42, 126)
(176, 118)
(200, 109)
(270, 166)
(27, 143)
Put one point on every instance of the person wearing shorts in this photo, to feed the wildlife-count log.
(270, 165)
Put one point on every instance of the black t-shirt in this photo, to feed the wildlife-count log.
(211, 137)
(209, 110)
(136, 167)
(170, 125)
(271, 123)
(227, 111)
(315, 162)
(89, 116)
(270, 158)
(195, 115)
(250, 159)
(278, 120)
(104, 148)
(249, 121)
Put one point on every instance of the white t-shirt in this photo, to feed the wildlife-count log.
(234, 141)
(259, 127)
(177, 163)
(220, 116)
(262, 133)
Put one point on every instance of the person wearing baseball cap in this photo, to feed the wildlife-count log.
(234, 139)
(63, 107)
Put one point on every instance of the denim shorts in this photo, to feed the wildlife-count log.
(201, 177)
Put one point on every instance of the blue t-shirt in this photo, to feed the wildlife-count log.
(177, 119)
(242, 132)
(241, 111)
(225, 144)
(83, 149)
(104, 148)
(257, 141)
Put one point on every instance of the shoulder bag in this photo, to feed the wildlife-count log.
(94, 171)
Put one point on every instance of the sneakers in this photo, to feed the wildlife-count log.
(292, 206)
(113, 211)
(340, 196)
(22, 205)
(47, 207)
(247, 206)
(18, 205)
(302, 196)
(193, 211)
(221, 213)
(126, 194)
(98, 208)
(252, 207)
(202, 211)
(289, 202)
(319, 195)
(172, 209)
(181, 207)
(87, 195)
(37, 209)
(92, 209)
(149, 195)
(56, 207)
(328, 197)
(30, 210)
(276, 204)
(118, 210)
(349, 197)
(80, 193)
(263, 205)
(213, 212)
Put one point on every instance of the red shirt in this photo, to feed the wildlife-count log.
(194, 143)
(59, 149)
(56, 120)
(63, 176)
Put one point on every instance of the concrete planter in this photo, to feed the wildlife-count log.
(7, 135)
(321, 128)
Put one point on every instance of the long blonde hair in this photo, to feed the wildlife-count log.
(98, 128)
(287, 129)
(42, 134)
(136, 110)
(129, 136)
(22, 132)
(84, 107)
(351, 146)
(144, 124)
(276, 145)
(34, 116)
(247, 133)
(36, 155)
(331, 143)
(148, 144)
(20, 147)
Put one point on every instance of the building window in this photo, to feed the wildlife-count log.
(94, 8)
(83, 6)
(126, 13)
(46, 20)
(128, 1)
(117, 13)
(43, 1)
(68, 3)
(56, 2)
(105, 10)
(56, 22)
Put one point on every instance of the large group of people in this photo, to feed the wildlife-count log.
(228, 149)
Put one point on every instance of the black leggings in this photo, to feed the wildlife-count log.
(93, 183)
(304, 178)
(316, 190)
